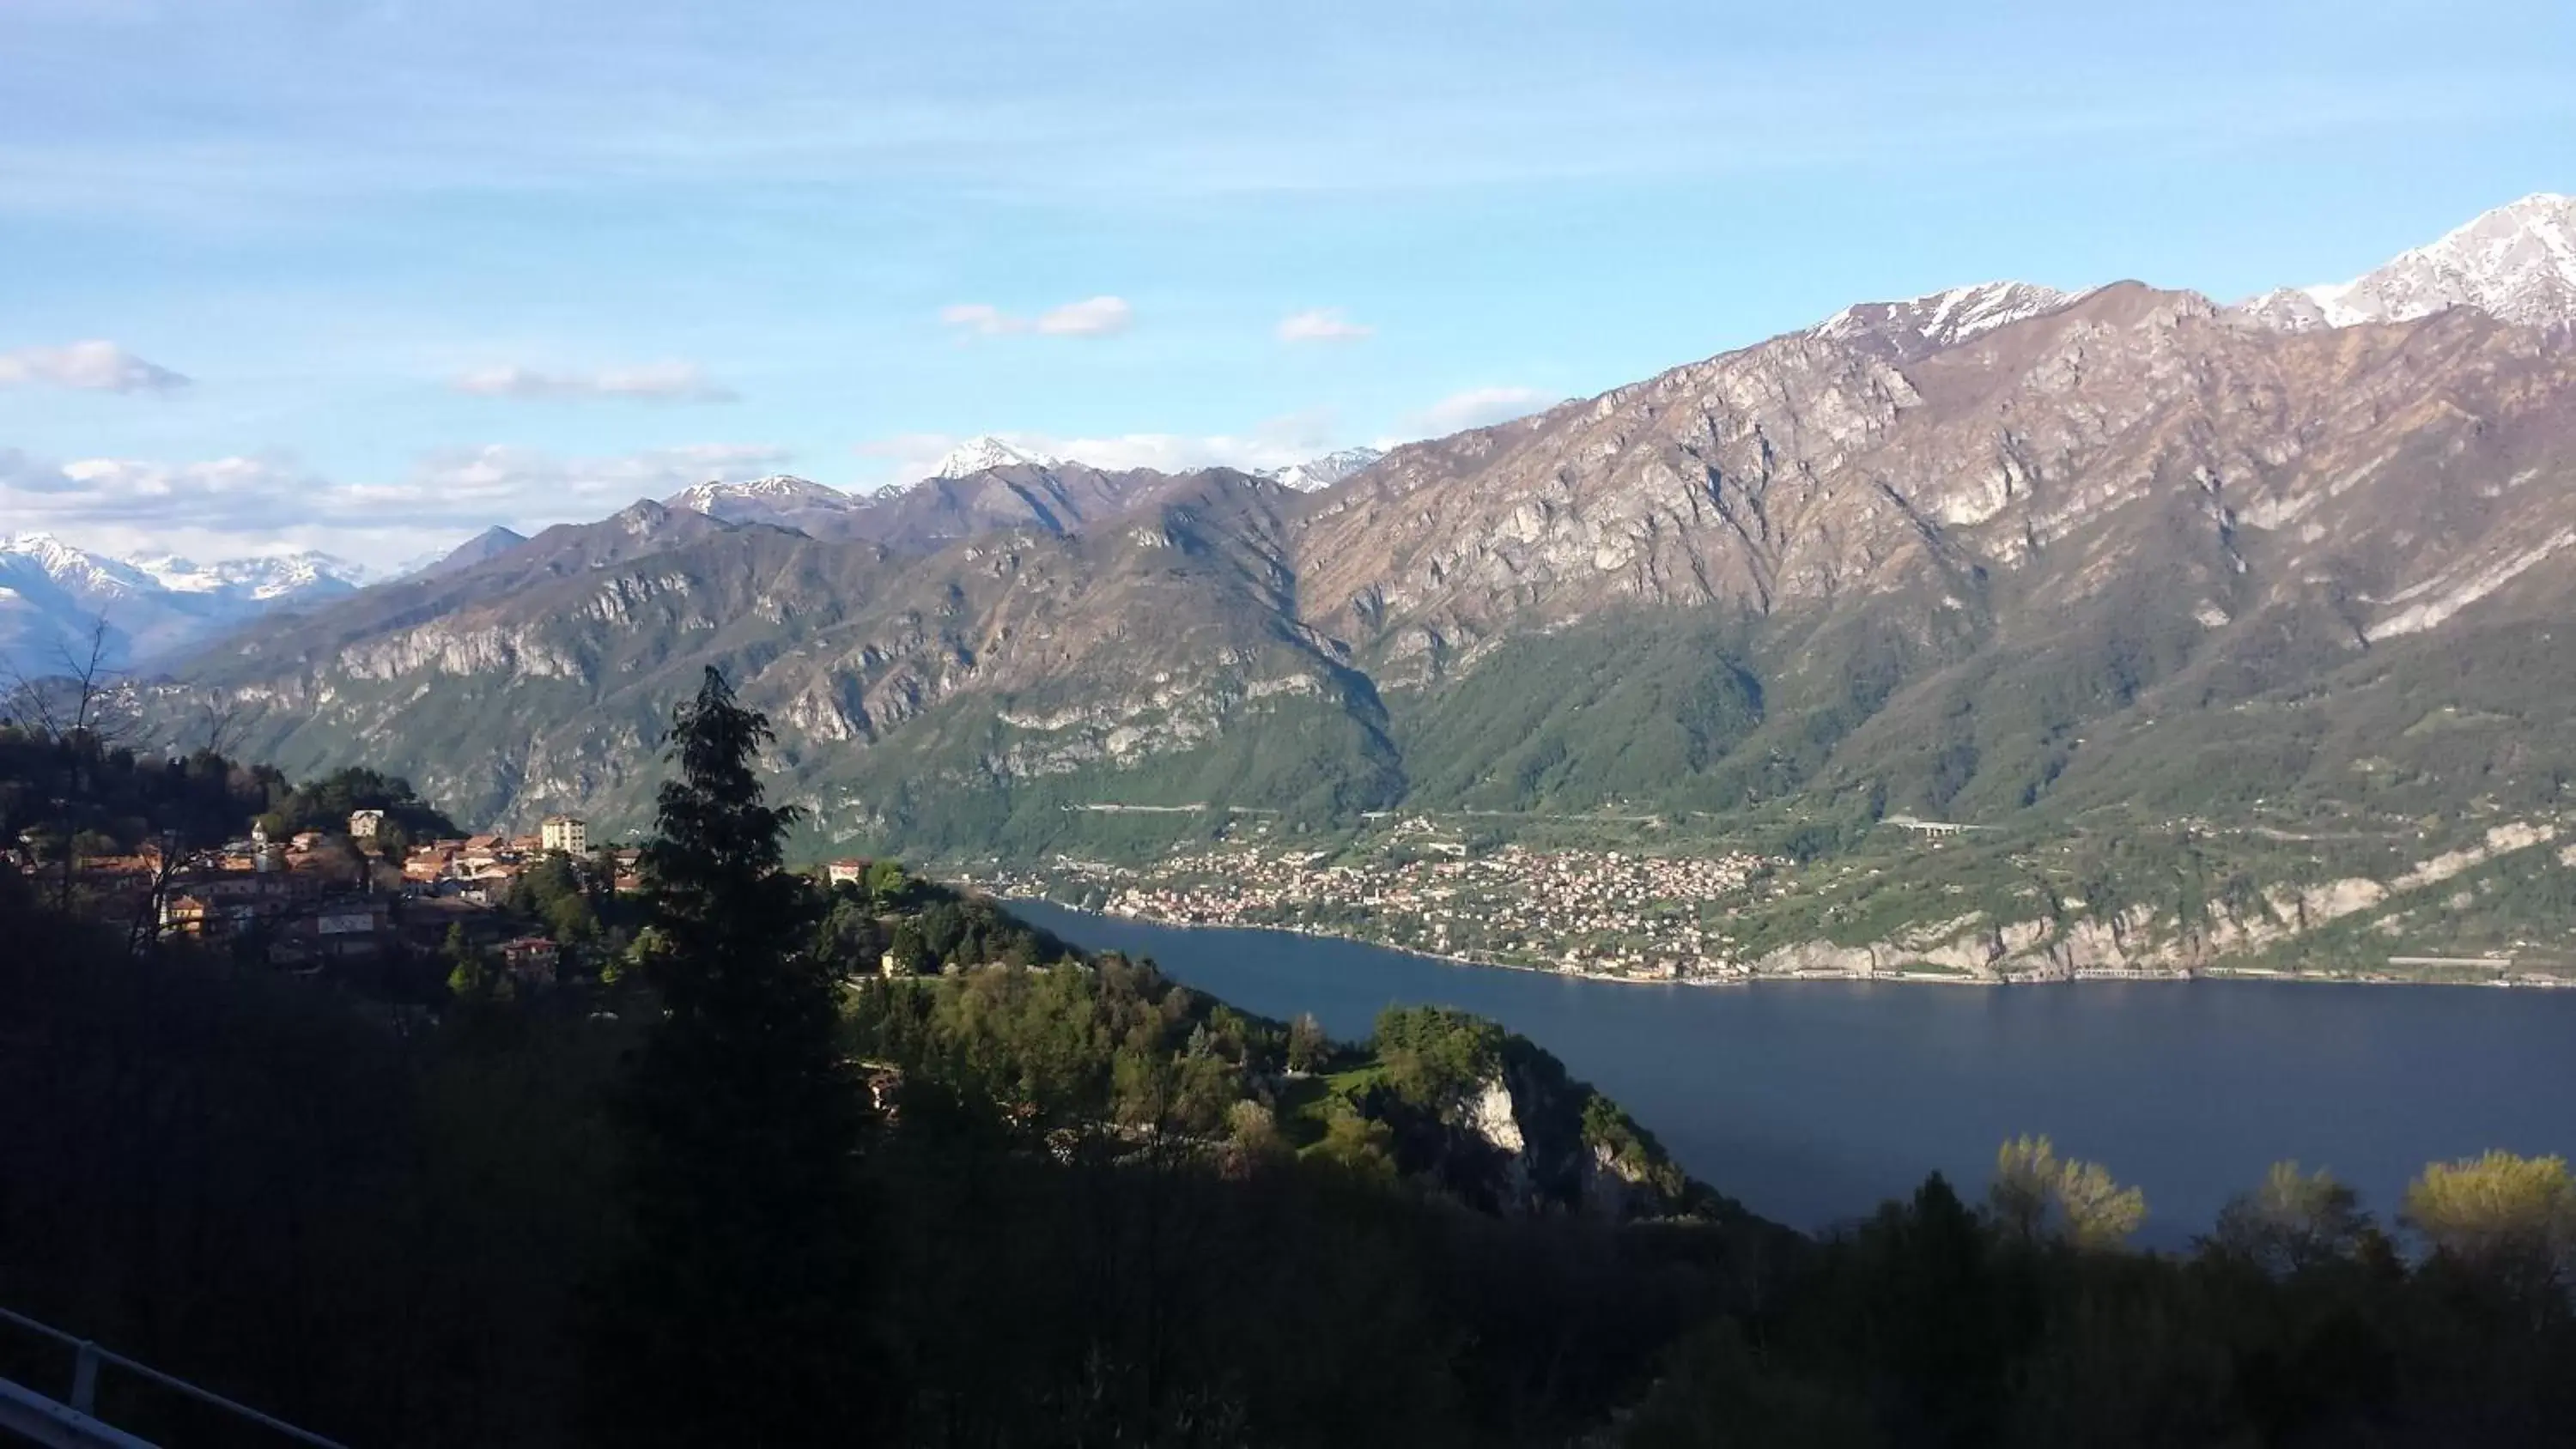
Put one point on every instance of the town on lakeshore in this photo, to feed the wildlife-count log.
(1705, 912)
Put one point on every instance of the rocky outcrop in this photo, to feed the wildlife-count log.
(2137, 941)
(1493, 1116)
(1556, 1145)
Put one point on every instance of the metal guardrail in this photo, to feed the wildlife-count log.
(73, 1423)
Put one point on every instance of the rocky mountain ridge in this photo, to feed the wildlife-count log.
(2112, 555)
(777, 490)
(1325, 471)
(2517, 263)
(1917, 327)
(491, 543)
(984, 453)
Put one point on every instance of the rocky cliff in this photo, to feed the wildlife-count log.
(1999, 554)
(1499, 1122)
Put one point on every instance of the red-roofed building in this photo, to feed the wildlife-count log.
(531, 959)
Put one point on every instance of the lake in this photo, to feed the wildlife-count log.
(1812, 1101)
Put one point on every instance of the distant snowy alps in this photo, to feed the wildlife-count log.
(54, 596)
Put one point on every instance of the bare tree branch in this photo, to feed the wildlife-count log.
(219, 726)
(81, 711)
(84, 696)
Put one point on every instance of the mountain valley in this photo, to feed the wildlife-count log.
(2088, 570)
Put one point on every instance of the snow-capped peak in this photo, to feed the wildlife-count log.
(1919, 326)
(53, 595)
(274, 576)
(1323, 472)
(775, 488)
(2517, 263)
(75, 567)
(980, 453)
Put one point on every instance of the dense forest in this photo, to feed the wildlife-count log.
(878, 1163)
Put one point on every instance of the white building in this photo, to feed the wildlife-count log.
(567, 833)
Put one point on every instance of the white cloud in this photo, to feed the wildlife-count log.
(1273, 443)
(980, 318)
(244, 505)
(1163, 452)
(1479, 407)
(125, 504)
(1091, 317)
(1321, 324)
(501, 482)
(90, 366)
(651, 382)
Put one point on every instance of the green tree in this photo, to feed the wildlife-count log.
(469, 976)
(886, 883)
(1361, 1146)
(738, 1310)
(570, 920)
(1307, 1044)
(1436, 1057)
(2038, 1195)
(550, 892)
(1254, 1132)
(2512, 1219)
(2293, 1222)
(600, 872)
(911, 954)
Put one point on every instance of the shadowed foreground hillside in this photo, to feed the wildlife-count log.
(385, 1234)
(879, 1163)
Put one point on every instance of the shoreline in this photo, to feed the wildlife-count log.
(1908, 978)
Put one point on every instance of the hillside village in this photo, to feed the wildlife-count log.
(363, 902)
(422, 922)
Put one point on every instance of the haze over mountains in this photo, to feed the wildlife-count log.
(52, 597)
(1998, 550)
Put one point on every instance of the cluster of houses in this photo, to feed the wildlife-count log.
(320, 899)
(450, 882)
(316, 900)
(479, 869)
(307, 901)
(1604, 912)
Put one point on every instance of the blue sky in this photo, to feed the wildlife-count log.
(371, 274)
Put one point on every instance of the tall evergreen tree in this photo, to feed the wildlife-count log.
(737, 1309)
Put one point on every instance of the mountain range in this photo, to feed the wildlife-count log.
(2005, 554)
(1325, 471)
(2517, 263)
(54, 596)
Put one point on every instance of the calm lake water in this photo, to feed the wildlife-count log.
(1812, 1101)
